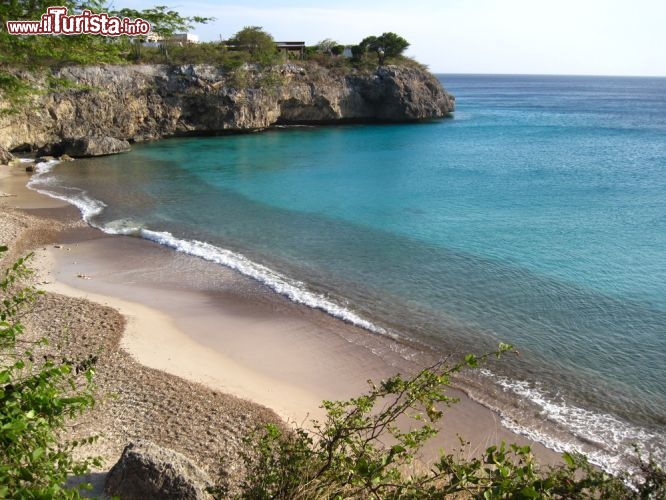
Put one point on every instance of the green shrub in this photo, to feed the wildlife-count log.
(257, 42)
(362, 450)
(36, 400)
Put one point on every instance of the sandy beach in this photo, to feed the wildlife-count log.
(196, 354)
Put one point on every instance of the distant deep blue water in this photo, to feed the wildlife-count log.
(535, 216)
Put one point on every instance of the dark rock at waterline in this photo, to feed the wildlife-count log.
(94, 146)
(146, 470)
(51, 149)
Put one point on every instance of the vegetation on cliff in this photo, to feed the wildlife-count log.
(251, 45)
(40, 51)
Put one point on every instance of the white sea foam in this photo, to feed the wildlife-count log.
(41, 182)
(41, 169)
(125, 227)
(606, 440)
(295, 290)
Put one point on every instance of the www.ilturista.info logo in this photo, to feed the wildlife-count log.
(56, 22)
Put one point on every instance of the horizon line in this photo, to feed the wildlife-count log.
(598, 75)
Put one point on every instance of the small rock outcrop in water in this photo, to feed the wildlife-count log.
(144, 102)
(147, 471)
(94, 146)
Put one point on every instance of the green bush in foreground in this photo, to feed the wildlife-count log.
(360, 450)
(36, 399)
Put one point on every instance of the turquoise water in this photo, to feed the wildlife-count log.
(535, 216)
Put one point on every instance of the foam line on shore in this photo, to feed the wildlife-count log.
(294, 290)
(39, 182)
(604, 439)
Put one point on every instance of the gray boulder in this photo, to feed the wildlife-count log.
(5, 156)
(146, 471)
(94, 146)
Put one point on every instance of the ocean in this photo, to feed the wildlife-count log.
(535, 216)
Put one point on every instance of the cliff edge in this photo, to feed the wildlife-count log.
(145, 102)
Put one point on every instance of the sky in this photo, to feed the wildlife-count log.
(571, 37)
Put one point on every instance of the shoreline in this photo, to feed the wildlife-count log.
(306, 355)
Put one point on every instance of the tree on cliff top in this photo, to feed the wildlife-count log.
(256, 41)
(388, 44)
(327, 46)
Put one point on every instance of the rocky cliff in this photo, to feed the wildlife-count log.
(141, 102)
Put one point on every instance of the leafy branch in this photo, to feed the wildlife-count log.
(367, 447)
(36, 401)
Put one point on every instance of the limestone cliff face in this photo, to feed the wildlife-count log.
(142, 102)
